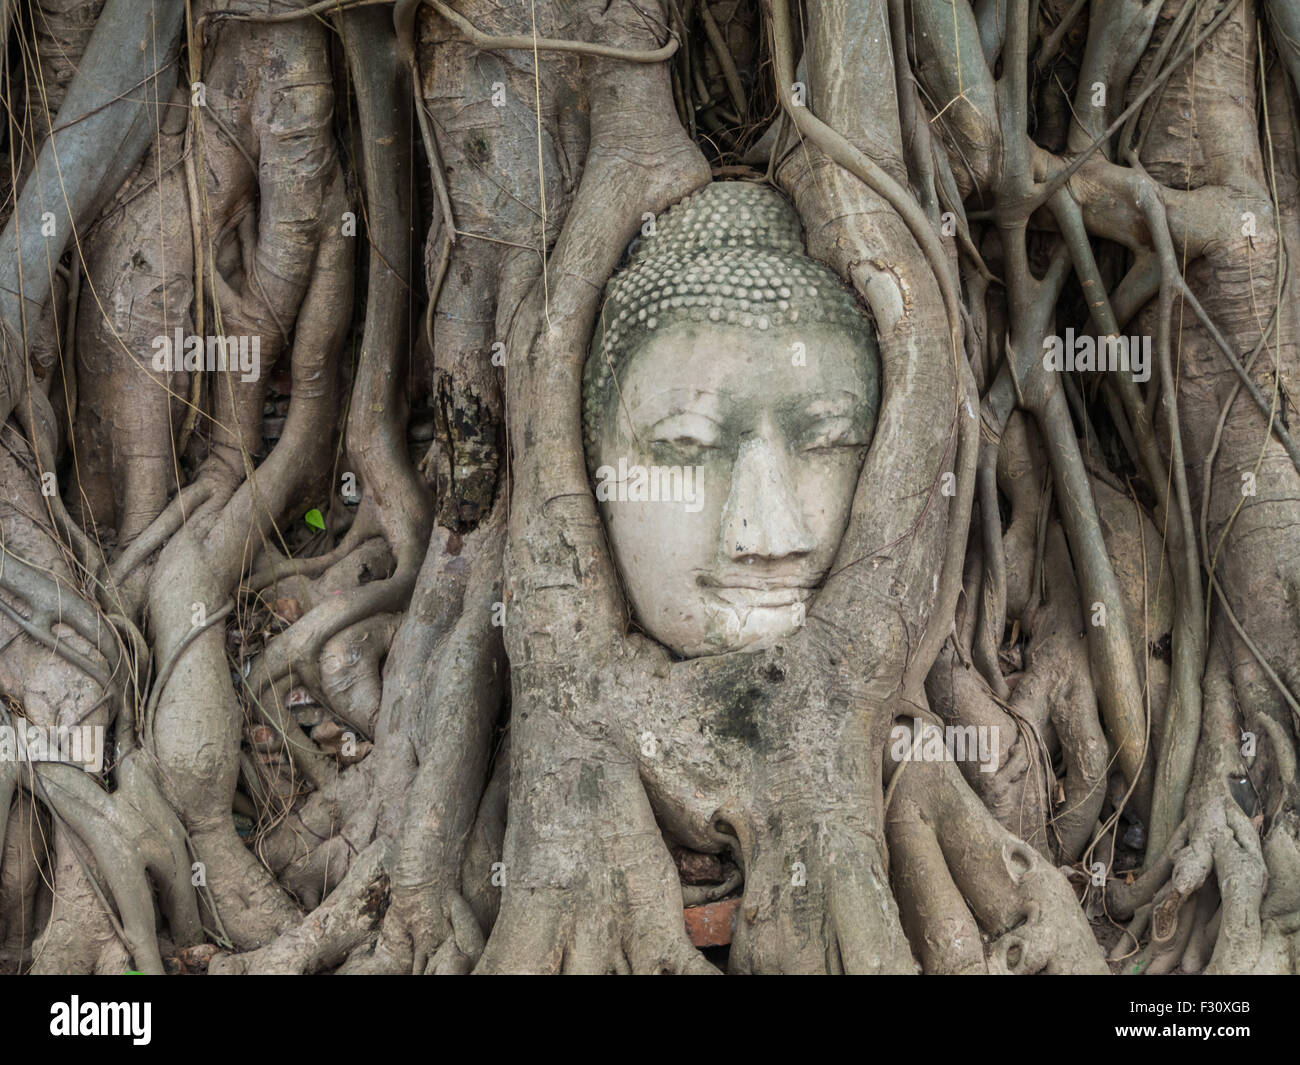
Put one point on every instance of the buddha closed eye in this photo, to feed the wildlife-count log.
(727, 443)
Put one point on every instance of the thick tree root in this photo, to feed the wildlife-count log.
(133, 836)
(348, 917)
(957, 871)
(1220, 898)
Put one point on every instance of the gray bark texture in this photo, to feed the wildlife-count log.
(372, 694)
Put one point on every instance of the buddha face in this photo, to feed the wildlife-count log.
(728, 459)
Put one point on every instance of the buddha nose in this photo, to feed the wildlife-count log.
(762, 517)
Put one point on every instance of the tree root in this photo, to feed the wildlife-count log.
(349, 916)
(133, 835)
(955, 865)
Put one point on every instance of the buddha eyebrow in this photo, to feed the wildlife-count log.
(839, 402)
(676, 401)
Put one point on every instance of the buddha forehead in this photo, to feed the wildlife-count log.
(724, 370)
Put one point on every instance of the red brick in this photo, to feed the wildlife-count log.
(710, 925)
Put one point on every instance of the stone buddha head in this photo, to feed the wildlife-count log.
(729, 398)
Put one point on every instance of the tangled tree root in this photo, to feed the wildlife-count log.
(956, 871)
(135, 840)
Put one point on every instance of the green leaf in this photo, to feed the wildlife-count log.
(314, 520)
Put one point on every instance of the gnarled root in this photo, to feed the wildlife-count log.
(133, 836)
(349, 916)
(574, 903)
(1220, 898)
(957, 871)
